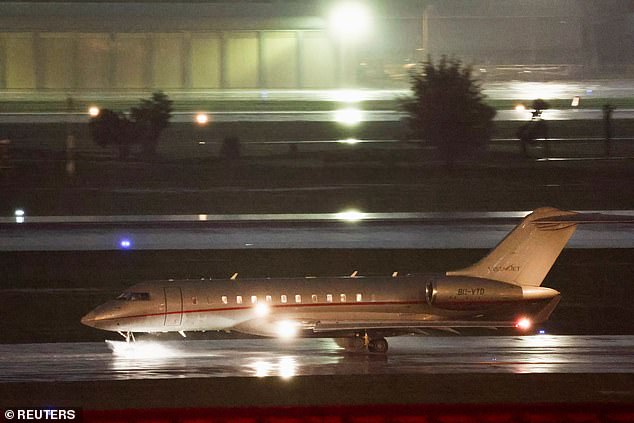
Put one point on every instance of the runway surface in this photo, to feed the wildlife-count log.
(312, 357)
(268, 235)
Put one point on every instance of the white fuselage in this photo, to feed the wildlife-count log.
(309, 306)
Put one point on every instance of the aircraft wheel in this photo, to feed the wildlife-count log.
(378, 345)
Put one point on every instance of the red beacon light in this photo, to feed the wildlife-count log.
(524, 323)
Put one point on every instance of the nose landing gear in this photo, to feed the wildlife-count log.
(128, 336)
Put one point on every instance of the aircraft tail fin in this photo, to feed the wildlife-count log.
(527, 253)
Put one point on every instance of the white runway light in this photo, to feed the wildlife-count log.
(349, 116)
(19, 216)
(351, 215)
(350, 141)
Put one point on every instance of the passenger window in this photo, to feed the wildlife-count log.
(224, 299)
(298, 298)
(194, 300)
(284, 298)
(328, 298)
(314, 298)
(359, 298)
(373, 298)
(342, 298)
(254, 299)
(269, 299)
(239, 299)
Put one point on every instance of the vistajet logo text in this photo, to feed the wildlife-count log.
(509, 268)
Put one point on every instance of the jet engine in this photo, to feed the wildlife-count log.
(468, 293)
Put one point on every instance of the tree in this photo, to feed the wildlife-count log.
(448, 109)
(150, 118)
(535, 128)
(143, 127)
(112, 128)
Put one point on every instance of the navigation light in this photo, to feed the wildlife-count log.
(523, 323)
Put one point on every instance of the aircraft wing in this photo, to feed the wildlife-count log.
(322, 326)
(343, 326)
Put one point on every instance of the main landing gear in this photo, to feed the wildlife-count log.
(378, 345)
(361, 343)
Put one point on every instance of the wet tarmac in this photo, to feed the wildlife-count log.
(280, 235)
(152, 359)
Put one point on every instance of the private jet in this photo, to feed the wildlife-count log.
(503, 290)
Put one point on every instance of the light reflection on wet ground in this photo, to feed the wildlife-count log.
(270, 357)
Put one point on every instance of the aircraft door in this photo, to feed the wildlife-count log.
(173, 306)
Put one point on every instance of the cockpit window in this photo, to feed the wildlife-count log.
(134, 296)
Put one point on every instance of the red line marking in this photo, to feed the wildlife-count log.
(272, 306)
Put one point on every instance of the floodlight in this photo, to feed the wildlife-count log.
(94, 111)
(350, 20)
(202, 118)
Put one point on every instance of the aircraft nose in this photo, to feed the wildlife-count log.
(89, 319)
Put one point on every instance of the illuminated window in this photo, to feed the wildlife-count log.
(373, 298)
(314, 298)
(239, 299)
(342, 298)
(254, 299)
(359, 298)
(328, 298)
(284, 298)
(269, 298)
(298, 298)
(224, 299)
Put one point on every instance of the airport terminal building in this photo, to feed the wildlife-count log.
(293, 44)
